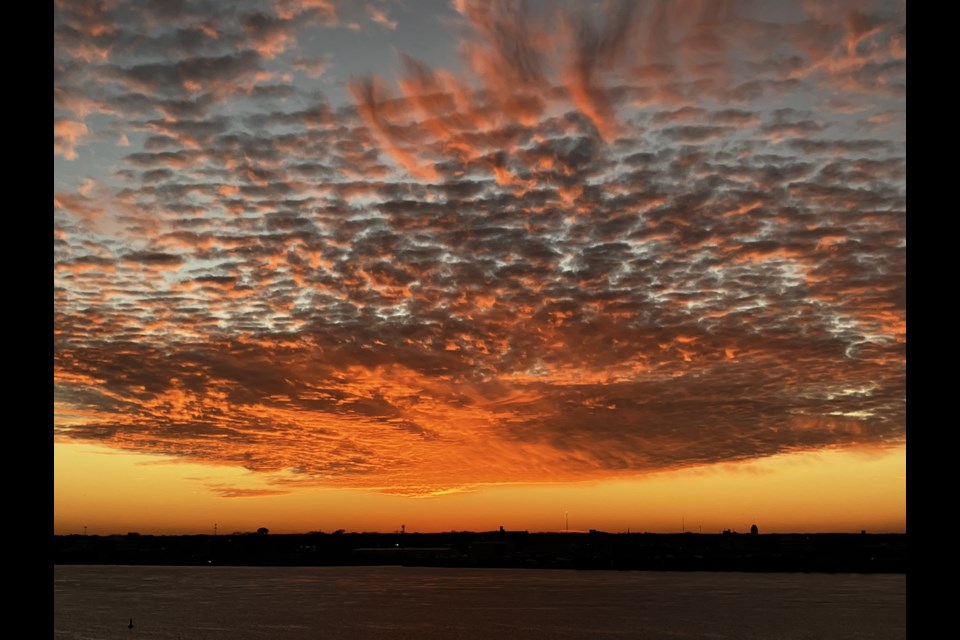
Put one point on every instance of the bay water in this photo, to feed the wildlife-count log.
(361, 603)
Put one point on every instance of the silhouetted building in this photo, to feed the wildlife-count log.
(754, 530)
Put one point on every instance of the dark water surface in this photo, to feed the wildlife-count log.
(246, 603)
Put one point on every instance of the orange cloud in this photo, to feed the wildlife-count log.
(66, 135)
(568, 258)
(380, 16)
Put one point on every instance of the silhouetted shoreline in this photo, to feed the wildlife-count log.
(821, 552)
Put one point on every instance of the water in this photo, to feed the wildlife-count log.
(360, 603)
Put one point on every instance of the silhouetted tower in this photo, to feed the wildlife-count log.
(754, 530)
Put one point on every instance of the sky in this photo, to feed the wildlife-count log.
(459, 264)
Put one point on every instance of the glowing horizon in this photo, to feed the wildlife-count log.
(708, 499)
(466, 254)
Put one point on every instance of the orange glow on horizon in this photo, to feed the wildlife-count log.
(831, 491)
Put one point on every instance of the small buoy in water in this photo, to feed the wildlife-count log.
(130, 626)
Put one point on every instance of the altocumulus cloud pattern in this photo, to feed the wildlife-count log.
(556, 240)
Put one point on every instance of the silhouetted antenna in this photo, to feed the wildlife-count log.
(566, 515)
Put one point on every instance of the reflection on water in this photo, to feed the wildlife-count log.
(94, 603)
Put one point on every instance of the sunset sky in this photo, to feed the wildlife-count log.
(458, 264)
